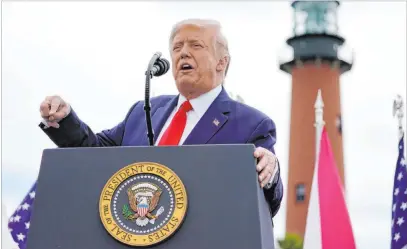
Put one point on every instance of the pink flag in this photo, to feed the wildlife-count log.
(328, 223)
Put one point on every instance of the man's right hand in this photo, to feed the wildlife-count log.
(53, 109)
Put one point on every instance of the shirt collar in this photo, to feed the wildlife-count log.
(201, 104)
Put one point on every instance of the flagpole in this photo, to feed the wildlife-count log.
(398, 238)
(319, 122)
(398, 106)
(312, 236)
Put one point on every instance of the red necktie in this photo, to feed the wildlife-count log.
(174, 132)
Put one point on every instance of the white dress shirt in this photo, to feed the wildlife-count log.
(199, 106)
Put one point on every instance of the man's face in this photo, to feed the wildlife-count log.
(194, 60)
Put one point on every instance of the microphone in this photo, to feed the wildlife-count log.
(156, 67)
(160, 67)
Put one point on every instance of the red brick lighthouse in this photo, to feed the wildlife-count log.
(316, 64)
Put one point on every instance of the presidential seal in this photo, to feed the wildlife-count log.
(143, 204)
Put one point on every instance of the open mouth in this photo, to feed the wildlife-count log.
(186, 67)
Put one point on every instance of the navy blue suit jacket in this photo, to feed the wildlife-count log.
(238, 124)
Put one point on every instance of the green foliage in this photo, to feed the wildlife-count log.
(127, 213)
(291, 241)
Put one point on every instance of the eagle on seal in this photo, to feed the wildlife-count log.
(143, 199)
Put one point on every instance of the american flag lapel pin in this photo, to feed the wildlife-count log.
(216, 122)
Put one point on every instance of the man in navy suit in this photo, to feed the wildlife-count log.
(202, 113)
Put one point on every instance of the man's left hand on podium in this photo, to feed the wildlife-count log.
(266, 166)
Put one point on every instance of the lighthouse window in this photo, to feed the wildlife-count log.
(300, 192)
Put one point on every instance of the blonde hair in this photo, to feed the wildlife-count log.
(221, 40)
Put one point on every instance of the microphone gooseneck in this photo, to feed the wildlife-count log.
(156, 67)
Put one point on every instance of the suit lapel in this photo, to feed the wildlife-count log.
(161, 115)
(212, 121)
